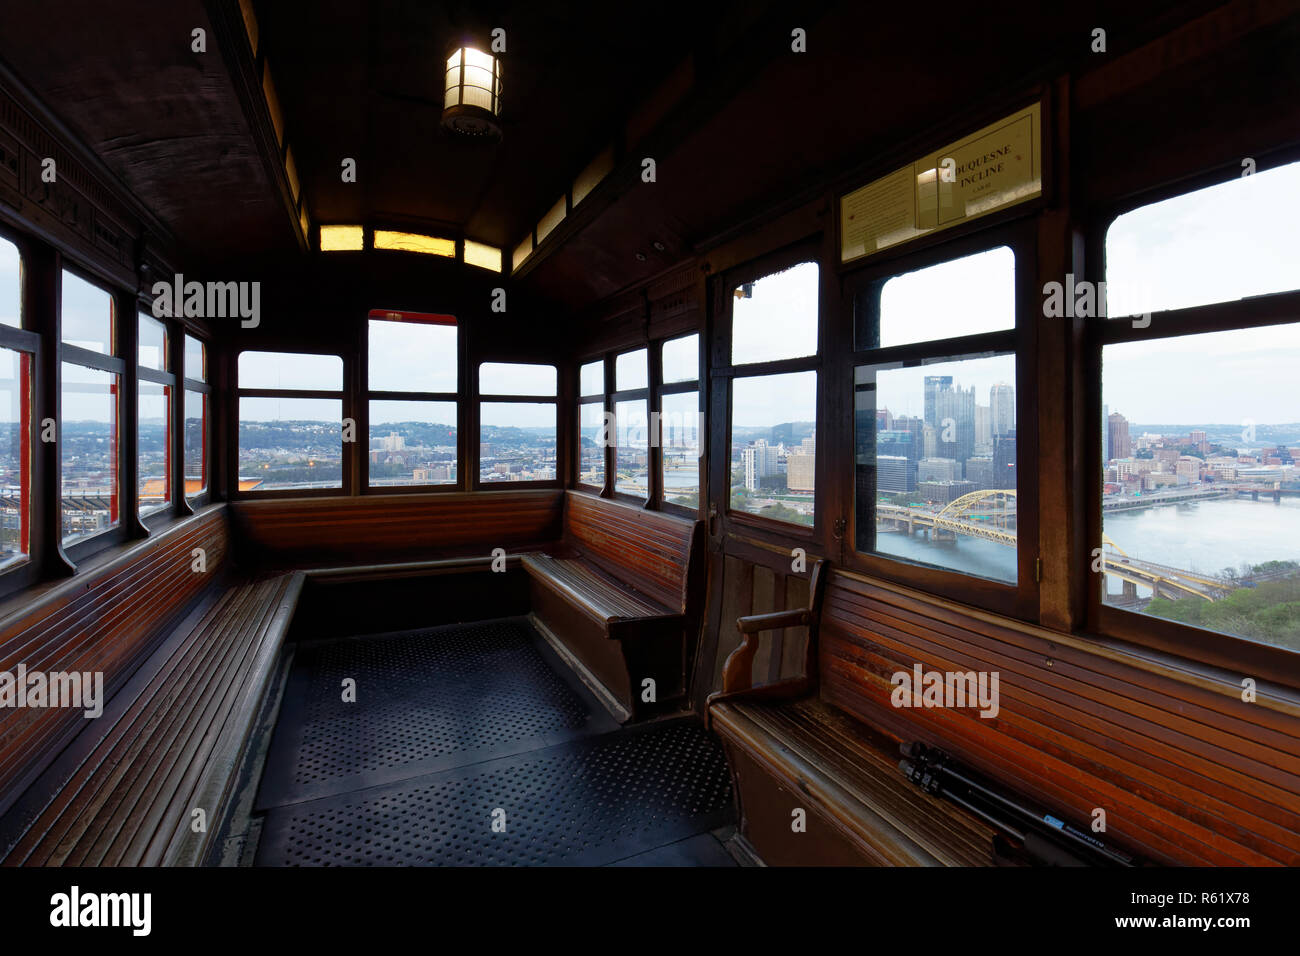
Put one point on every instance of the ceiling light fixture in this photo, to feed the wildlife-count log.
(472, 100)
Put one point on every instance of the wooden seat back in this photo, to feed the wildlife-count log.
(370, 529)
(107, 618)
(1187, 772)
(648, 550)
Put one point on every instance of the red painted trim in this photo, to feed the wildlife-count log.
(425, 318)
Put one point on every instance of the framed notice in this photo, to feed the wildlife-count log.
(995, 167)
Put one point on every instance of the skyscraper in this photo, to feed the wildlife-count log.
(1002, 404)
(1117, 437)
(933, 385)
(1105, 434)
(1004, 462)
(983, 426)
(760, 461)
(955, 421)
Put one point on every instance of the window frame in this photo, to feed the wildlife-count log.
(477, 483)
(613, 397)
(1234, 653)
(238, 392)
(369, 395)
(205, 388)
(602, 399)
(682, 388)
(114, 363)
(723, 374)
(169, 380)
(22, 339)
(653, 393)
(1020, 235)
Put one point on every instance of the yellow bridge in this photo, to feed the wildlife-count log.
(991, 514)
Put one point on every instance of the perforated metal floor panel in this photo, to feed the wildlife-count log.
(425, 701)
(590, 802)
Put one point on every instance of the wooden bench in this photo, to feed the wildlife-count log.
(383, 529)
(790, 750)
(187, 650)
(620, 594)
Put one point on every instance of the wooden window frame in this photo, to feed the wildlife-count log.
(1020, 235)
(477, 484)
(653, 394)
(168, 379)
(682, 388)
(343, 395)
(614, 397)
(601, 398)
(368, 395)
(122, 342)
(185, 504)
(21, 339)
(723, 373)
(1233, 653)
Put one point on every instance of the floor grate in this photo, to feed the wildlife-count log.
(426, 701)
(592, 801)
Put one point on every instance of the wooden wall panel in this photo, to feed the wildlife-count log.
(793, 638)
(320, 532)
(752, 587)
(1186, 771)
(105, 619)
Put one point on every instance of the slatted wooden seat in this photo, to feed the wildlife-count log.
(618, 594)
(187, 658)
(599, 595)
(791, 751)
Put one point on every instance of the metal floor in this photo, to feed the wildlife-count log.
(473, 744)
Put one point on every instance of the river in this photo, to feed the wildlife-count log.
(1204, 536)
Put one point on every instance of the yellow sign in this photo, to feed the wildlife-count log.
(997, 166)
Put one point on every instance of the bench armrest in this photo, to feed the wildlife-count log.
(737, 671)
(755, 623)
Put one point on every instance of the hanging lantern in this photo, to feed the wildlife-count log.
(472, 101)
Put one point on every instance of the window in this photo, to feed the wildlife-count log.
(11, 285)
(342, 238)
(197, 391)
(517, 423)
(680, 422)
(153, 439)
(1200, 450)
(413, 374)
(774, 395)
(88, 317)
(90, 393)
(15, 456)
(632, 449)
(415, 242)
(482, 255)
(1231, 241)
(592, 439)
(290, 421)
(631, 438)
(630, 371)
(935, 432)
(775, 317)
(774, 419)
(965, 296)
(936, 453)
(17, 358)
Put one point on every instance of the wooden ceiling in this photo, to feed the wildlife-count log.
(756, 125)
(166, 120)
